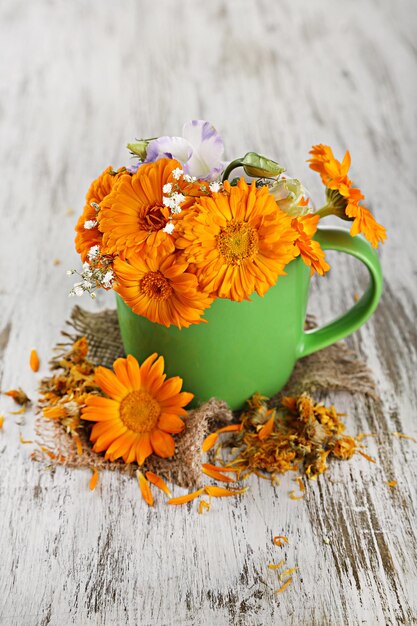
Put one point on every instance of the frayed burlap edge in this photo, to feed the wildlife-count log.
(336, 368)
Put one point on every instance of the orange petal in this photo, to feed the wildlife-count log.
(216, 475)
(219, 468)
(133, 371)
(130, 456)
(98, 402)
(170, 388)
(221, 492)
(158, 482)
(143, 448)
(284, 586)
(170, 423)
(120, 369)
(203, 504)
(144, 488)
(186, 498)
(94, 478)
(209, 442)
(34, 361)
(276, 566)
(54, 412)
(367, 457)
(109, 383)
(78, 444)
(230, 428)
(103, 440)
(267, 428)
(162, 443)
(279, 539)
(294, 497)
(1, 421)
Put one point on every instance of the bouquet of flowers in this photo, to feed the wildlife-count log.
(176, 230)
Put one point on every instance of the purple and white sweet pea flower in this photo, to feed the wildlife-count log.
(199, 150)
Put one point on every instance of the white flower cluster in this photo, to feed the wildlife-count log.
(173, 198)
(97, 273)
(89, 224)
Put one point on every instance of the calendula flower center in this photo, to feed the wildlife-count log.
(155, 286)
(237, 241)
(154, 219)
(139, 411)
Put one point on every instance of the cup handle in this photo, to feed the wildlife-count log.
(340, 239)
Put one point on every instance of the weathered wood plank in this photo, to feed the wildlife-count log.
(77, 82)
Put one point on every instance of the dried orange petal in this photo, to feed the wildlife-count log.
(34, 361)
(284, 586)
(94, 478)
(216, 475)
(221, 492)
(187, 498)
(209, 442)
(144, 488)
(158, 482)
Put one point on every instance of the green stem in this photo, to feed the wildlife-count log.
(232, 166)
(325, 210)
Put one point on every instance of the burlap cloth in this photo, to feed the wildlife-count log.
(336, 368)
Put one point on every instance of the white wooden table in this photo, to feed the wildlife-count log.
(79, 80)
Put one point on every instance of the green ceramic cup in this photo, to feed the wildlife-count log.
(252, 346)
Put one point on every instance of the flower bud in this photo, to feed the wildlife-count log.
(259, 166)
(287, 193)
(139, 148)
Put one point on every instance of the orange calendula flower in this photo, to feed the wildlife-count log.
(310, 250)
(141, 413)
(237, 241)
(334, 174)
(88, 234)
(161, 289)
(134, 213)
(34, 361)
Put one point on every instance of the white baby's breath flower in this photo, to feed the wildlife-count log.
(177, 173)
(168, 228)
(108, 278)
(178, 197)
(169, 202)
(167, 188)
(70, 272)
(215, 186)
(89, 224)
(78, 290)
(93, 252)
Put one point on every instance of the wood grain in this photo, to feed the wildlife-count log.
(77, 81)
